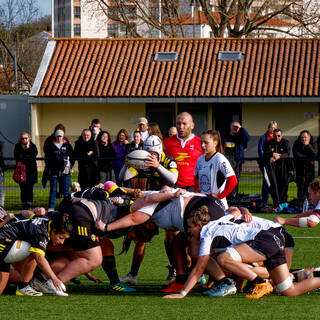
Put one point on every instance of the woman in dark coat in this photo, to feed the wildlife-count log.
(86, 152)
(26, 152)
(304, 154)
(105, 151)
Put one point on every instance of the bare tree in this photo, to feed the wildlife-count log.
(226, 18)
(14, 12)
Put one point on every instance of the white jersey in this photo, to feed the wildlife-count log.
(149, 210)
(213, 173)
(222, 233)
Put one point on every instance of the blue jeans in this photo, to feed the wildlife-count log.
(64, 186)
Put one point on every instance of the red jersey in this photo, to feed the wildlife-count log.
(186, 154)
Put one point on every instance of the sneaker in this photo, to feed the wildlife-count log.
(129, 278)
(172, 273)
(28, 291)
(260, 290)
(221, 290)
(121, 287)
(47, 287)
(202, 280)
(173, 287)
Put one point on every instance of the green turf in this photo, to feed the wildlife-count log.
(92, 301)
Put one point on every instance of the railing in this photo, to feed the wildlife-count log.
(250, 183)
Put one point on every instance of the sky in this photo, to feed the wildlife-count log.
(45, 6)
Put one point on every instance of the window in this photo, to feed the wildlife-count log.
(77, 12)
(113, 30)
(77, 30)
(166, 56)
(231, 56)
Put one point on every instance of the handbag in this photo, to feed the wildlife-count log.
(20, 173)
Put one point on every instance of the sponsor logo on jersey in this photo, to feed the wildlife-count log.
(182, 156)
(43, 244)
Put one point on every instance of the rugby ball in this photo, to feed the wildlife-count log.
(136, 159)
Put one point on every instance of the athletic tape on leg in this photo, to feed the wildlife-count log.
(284, 285)
(234, 254)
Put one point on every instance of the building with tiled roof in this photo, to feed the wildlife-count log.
(217, 80)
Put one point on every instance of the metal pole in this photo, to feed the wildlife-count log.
(16, 72)
(159, 4)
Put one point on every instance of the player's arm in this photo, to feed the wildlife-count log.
(44, 265)
(156, 197)
(193, 278)
(301, 221)
(127, 221)
(6, 219)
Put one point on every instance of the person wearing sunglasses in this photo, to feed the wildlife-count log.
(25, 151)
(278, 165)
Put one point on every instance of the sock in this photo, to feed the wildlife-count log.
(181, 278)
(135, 269)
(109, 267)
(22, 285)
(316, 274)
(223, 280)
(257, 280)
(169, 252)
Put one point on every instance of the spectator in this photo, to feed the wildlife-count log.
(58, 152)
(272, 125)
(275, 159)
(304, 154)
(26, 152)
(235, 142)
(2, 168)
(172, 131)
(95, 128)
(155, 130)
(105, 151)
(119, 147)
(143, 128)
(86, 152)
(139, 181)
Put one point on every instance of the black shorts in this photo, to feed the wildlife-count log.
(288, 239)
(5, 246)
(84, 236)
(270, 243)
(215, 206)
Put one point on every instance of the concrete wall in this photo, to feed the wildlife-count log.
(76, 117)
(14, 119)
(291, 118)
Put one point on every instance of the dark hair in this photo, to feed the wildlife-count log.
(215, 135)
(277, 130)
(95, 121)
(100, 135)
(122, 131)
(61, 223)
(308, 133)
(143, 233)
(314, 185)
(59, 127)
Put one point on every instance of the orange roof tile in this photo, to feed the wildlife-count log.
(124, 68)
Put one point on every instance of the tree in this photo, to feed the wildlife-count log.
(226, 18)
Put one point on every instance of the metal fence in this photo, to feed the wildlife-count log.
(250, 183)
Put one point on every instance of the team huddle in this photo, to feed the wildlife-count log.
(203, 235)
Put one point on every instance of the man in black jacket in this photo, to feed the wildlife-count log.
(277, 165)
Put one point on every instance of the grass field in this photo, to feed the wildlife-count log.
(92, 301)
